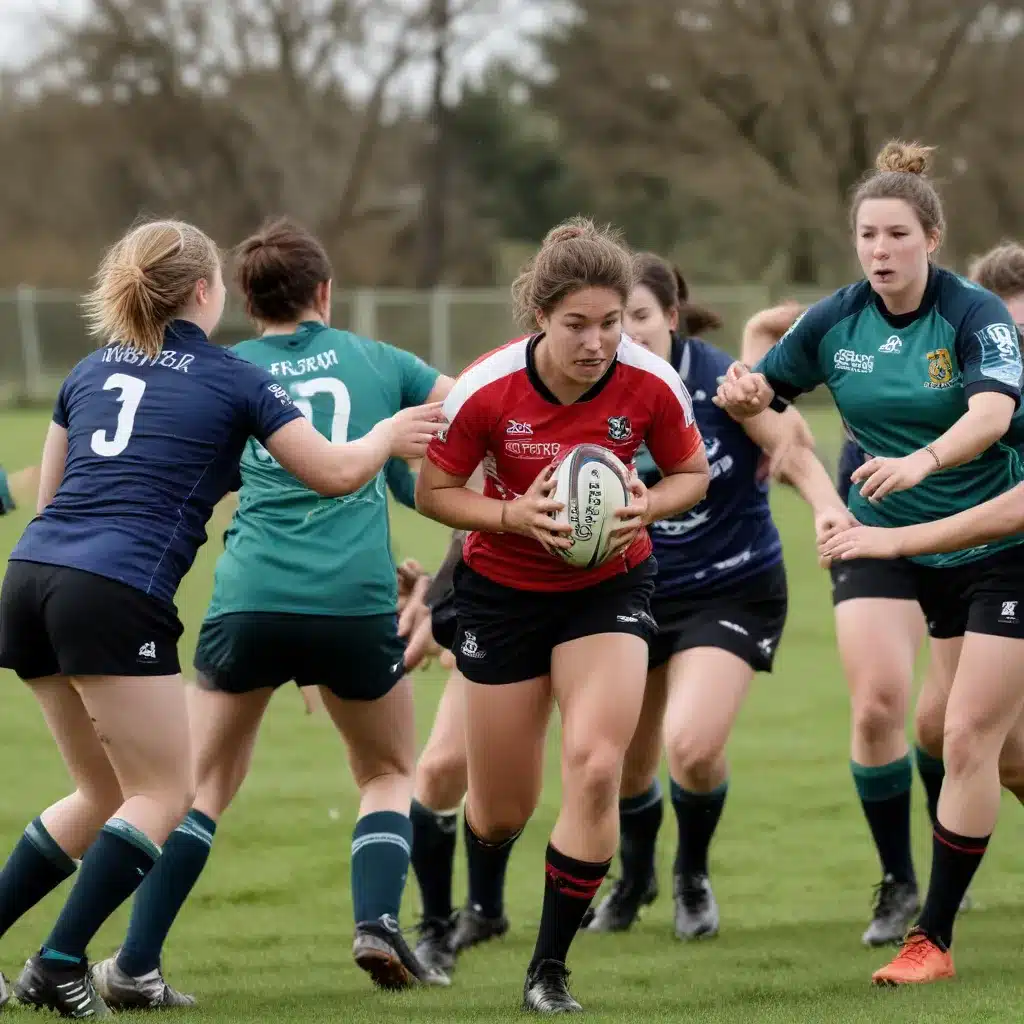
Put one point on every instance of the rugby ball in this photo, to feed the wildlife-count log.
(591, 483)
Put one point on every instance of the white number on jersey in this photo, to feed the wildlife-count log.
(304, 390)
(131, 391)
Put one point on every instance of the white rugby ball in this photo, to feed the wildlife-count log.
(592, 484)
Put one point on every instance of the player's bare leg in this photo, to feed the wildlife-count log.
(880, 676)
(640, 814)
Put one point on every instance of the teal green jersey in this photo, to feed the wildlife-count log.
(288, 549)
(900, 381)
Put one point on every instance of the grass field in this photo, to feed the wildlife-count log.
(267, 934)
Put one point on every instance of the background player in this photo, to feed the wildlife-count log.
(932, 407)
(530, 627)
(115, 536)
(720, 603)
(305, 591)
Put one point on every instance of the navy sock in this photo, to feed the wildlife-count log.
(932, 771)
(697, 815)
(487, 864)
(36, 866)
(434, 838)
(884, 793)
(639, 820)
(955, 858)
(112, 869)
(163, 893)
(381, 845)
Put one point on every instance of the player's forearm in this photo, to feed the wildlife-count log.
(675, 493)
(802, 469)
(460, 508)
(356, 463)
(990, 521)
(978, 429)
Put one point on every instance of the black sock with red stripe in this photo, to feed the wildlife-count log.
(955, 858)
(569, 886)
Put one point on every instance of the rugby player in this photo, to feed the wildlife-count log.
(146, 438)
(305, 590)
(925, 368)
(531, 628)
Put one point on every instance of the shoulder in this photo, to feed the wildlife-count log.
(649, 367)
(820, 317)
(961, 302)
(709, 358)
(490, 369)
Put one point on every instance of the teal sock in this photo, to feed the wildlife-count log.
(884, 792)
(381, 845)
(36, 866)
(162, 895)
(112, 869)
(932, 771)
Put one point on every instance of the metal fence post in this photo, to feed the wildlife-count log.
(441, 329)
(28, 330)
(364, 313)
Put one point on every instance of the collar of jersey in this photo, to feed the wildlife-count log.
(184, 330)
(900, 320)
(545, 392)
(297, 338)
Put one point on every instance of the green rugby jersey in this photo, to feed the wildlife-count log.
(900, 381)
(288, 549)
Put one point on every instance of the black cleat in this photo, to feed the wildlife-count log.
(66, 990)
(472, 928)
(621, 907)
(380, 949)
(121, 991)
(547, 990)
(896, 907)
(434, 948)
(696, 914)
(5, 991)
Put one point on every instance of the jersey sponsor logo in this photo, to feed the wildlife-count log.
(1000, 353)
(619, 428)
(854, 362)
(721, 467)
(940, 370)
(470, 647)
(532, 449)
(515, 427)
(308, 364)
(148, 651)
(280, 394)
(167, 357)
(712, 446)
(687, 523)
(893, 345)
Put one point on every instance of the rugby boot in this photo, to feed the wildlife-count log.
(918, 962)
(896, 907)
(547, 989)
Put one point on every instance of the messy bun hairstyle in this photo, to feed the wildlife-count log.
(901, 172)
(576, 254)
(278, 270)
(145, 280)
(669, 287)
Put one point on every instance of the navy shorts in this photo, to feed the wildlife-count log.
(506, 635)
(356, 658)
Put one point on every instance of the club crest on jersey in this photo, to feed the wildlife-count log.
(619, 428)
(940, 369)
(520, 429)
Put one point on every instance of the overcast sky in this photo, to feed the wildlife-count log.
(19, 32)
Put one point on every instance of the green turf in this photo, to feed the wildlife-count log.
(267, 934)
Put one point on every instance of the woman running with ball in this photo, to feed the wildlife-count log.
(532, 628)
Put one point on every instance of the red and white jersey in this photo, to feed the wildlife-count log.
(501, 413)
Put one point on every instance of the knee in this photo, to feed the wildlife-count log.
(928, 729)
(390, 765)
(878, 711)
(694, 761)
(441, 770)
(103, 797)
(964, 749)
(593, 771)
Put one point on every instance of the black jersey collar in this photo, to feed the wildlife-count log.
(545, 392)
(901, 320)
(179, 331)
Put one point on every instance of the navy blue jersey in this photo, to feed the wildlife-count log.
(730, 534)
(153, 445)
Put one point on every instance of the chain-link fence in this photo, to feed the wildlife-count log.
(44, 335)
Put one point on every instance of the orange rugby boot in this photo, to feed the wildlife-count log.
(919, 961)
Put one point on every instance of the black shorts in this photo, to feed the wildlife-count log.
(851, 457)
(67, 622)
(443, 623)
(357, 658)
(984, 596)
(745, 619)
(506, 635)
(891, 578)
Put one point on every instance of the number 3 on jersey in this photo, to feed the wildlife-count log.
(131, 390)
(302, 392)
